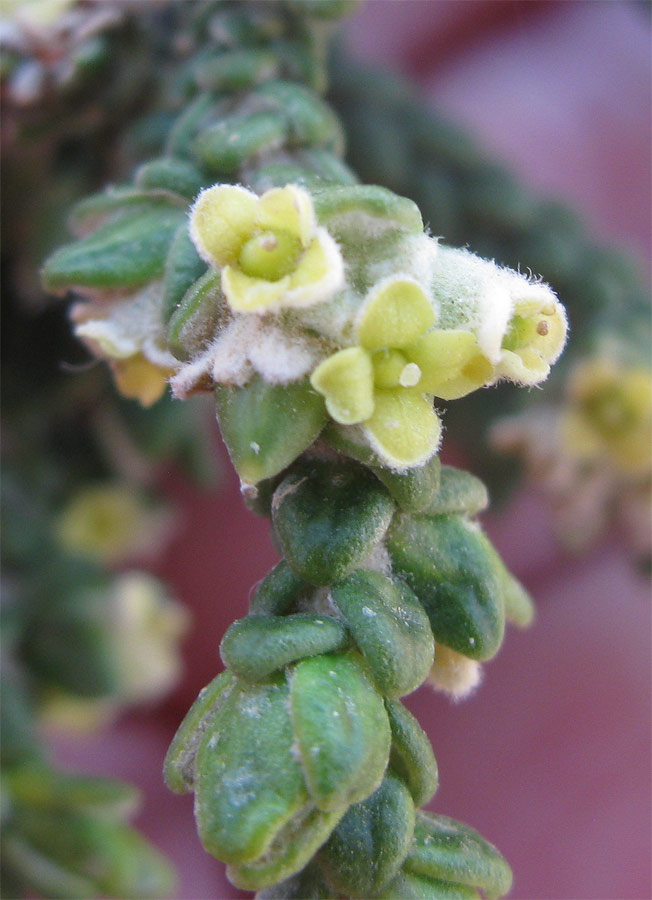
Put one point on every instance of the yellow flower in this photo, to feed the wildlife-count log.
(271, 251)
(610, 415)
(128, 332)
(387, 382)
(109, 522)
(534, 340)
(139, 379)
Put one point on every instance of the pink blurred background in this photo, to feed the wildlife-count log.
(550, 759)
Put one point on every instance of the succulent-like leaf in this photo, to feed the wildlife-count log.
(390, 627)
(249, 784)
(449, 565)
(328, 518)
(451, 851)
(125, 252)
(459, 493)
(266, 426)
(256, 646)
(278, 592)
(341, 729)
(415, 489)
(369, 845)
(411, 755)
(179, 766)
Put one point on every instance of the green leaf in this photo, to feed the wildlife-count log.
(236, 70)
(310, 121)
(341, 727)
(41, 787)
(107, 206)
(123, 253)
(369, 845)
(448, 563)
(446, 849)
(294, 846)
(390, 627)
(411, 755)
(408, 886)
(113, 857)
(307, 883)
(414, 490)
(328, 518)
(43, 875)
(170, 174)
(266, 426)
(249, 784)
(258, 645)
(278, 592)
(199, 314)
(229, 144)
(460, 493)
(372, 200)
(183, 267)
(77, 620)
(179, 766)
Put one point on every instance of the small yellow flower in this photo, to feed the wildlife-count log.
(534, 340)
(109, 522)
(609, 415)
(271, 251)
(139, 379)
(387, 382)
(128, 333)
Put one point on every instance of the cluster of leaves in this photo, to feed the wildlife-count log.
(301, 756)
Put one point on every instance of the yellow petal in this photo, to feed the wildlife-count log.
(221, 220)
(451, 363)
(394, 315)
(346, 381)
(404, 429)
(319, 273)
(288, 209)
(246, 294)
(524, 367)
(139, 379)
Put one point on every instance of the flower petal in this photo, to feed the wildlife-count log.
(221, 220)
(451, 363)
(139, 379)
(346, 381)
(319, 273)
(404, 429)
(395, 314)
(288, 209)
(246, 294)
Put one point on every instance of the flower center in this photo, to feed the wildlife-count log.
(270, 255)
(392, 369)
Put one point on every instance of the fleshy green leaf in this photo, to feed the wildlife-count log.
(258, 645)
(368, 846)
(183, 267)
(328, 519)
(390, 627)
(293, 847)
(415, 489)
(123, 253)
(460, 493)
(341, 727)
(411, 754)
(278, 592)
(451, 851)
(179, 766)
(201, 311)
(249, 784)
(448, 563)
(266, 426)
